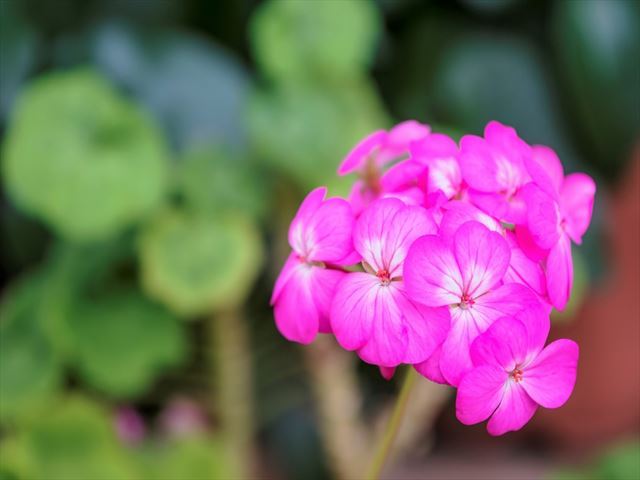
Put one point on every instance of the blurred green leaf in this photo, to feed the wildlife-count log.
(186, 458)
(306, 131)
(74, 440)
(621, 463)
(213, 181)
(295, 40)
(122, 342)
(94, 168)
(30, 370)
(195, 264)
(598, 46)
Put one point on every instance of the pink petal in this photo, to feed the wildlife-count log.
(436, 145)
(514, 411)
(479, 394)
(458, 213)
(523, 270)
(455, 360)
(431, 275)
(560, 273)
(287, 271)
(403, 135)
(322, 230)
(323, 288)
(528, 245)
(576, 200)
(385, 231)
(545, 169)
(402, 175)
(503, 345)
(357, 157)
(353, 309)
(537, 323)
(387, 372)
(382, 324)
(478, 167)
(467, 324)
(542, 216)
(482, 255)
(550, 378)
(430, 368)
(295, 311)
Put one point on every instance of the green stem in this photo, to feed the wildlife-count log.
(386, 444)
(232, 389)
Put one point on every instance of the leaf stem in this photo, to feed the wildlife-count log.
(386, 443)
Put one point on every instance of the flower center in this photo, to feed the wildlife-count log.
(466, 301)
(384, 276)
(516, 374)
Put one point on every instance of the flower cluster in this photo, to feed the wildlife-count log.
(448, 257)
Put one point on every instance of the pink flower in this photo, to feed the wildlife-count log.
(466, 276)
(371, 312)
(494, 167)
(440, 154)
(380, 147)
(559, 211)
(320, 236)
(512, 374)
(369, 158)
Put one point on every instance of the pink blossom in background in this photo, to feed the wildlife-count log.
(465, 276)
(371, 312)
(446, 256)
(513, 374)
(320, 234)
(130, 426)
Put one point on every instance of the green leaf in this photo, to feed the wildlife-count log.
(195, 264)
(74, 440)
(306, 131)
(621, 463)
(122, 342)
(212, 180)
(186, 458)
(295, 40)
(30, 370)
(95, 168)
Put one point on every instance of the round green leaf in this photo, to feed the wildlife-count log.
(212, 180)
(295, 40)
(122, 342)
(306, 131)
(195, 264)
(30, 370)
(75, 440)
(81, 158)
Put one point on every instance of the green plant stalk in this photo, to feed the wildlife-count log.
(386, 443)
(232, 394)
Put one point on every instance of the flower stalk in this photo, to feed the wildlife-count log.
(393, 426)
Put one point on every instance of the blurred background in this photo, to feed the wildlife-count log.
(153, 154)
